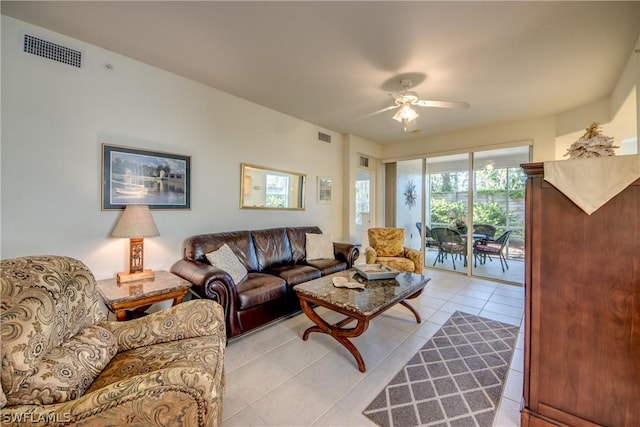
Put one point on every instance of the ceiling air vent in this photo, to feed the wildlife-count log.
(324, 137)
(364, 162)
(52, 51)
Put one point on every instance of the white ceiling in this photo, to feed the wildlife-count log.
(332, 63)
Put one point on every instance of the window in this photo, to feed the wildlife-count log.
(277, 191)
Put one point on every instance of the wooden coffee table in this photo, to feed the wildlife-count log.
(358, 305)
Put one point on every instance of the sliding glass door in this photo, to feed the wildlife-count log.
(447, 211)
(472, 215)
(498, 214)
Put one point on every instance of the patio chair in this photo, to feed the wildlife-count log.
(449, 242)
(429, 241)
(488, 230)
(484, 250)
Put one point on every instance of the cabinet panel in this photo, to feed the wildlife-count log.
(583, 280)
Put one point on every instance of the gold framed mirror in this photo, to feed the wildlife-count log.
(268, 188)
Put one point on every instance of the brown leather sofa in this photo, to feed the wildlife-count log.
(275, 260)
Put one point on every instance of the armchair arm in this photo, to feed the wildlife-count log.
(187, 320)
(417, 258)
(346, 252)
(370, 255)
(156, 398)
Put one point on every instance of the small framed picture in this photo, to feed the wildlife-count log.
(325, 189)
(137, 176)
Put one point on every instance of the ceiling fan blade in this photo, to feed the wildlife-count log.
(380, 111)
(442, 104)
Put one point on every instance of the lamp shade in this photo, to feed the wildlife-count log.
(405, 113)
(136, 221)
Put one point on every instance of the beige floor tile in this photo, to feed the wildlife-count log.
(294, 403)
(508, 414)
(516, 321)
(245, 418)
(507, 310)
(263, 375)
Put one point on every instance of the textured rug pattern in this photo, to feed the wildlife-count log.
(455, 380)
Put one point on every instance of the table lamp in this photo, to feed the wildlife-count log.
(136, 223)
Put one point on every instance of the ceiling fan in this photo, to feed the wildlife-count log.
(406, 99)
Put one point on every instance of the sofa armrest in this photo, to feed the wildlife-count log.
(155, 398)
(190, 319)
(346, 252)
(211, 283)
(370, 255)
(417, 258)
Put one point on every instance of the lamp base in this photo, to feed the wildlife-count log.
(132, 277)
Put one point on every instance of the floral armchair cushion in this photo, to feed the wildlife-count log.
(45, 301)
(387, 241)
(66, 371)
(386, 247)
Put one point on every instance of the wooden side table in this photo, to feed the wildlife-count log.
(142, 293)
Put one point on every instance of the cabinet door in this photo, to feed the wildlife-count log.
(584, 308)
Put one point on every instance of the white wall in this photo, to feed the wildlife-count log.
(54, 119)
(407, 216)
(539, 131)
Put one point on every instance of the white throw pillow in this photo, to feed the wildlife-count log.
(226, 260)
(319, 246)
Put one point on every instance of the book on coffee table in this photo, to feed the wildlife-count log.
(376, 271)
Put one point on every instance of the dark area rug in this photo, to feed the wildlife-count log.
(455, 380)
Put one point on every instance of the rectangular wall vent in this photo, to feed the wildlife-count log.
(324, 137)
(364, 162)
(52, 51)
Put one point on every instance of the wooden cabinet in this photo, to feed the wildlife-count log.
(582, 311)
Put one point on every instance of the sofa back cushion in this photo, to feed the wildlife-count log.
(46, 300)
(388, 242)
(272, 248)
(297, 239)
(240, 242)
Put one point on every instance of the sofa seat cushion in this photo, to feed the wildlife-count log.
(198, 352)
(328, 266)
(399, 263)
(295, 274)
(259, 288)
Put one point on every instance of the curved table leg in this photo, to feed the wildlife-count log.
(410, 307)
(340, 334)
(413, 310)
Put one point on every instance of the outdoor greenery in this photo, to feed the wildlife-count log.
(488, 181)
(484, 212)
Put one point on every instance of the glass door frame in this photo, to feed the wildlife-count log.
(471, 197)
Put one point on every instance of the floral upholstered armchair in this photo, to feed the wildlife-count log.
(63, 364)
(386, 246)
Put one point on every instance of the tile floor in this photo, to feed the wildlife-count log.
(491, 269)
(273, 378)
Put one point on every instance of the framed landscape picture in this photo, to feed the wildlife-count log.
(325, 185)
(137, 176)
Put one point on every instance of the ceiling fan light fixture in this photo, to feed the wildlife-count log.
(405, 113)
